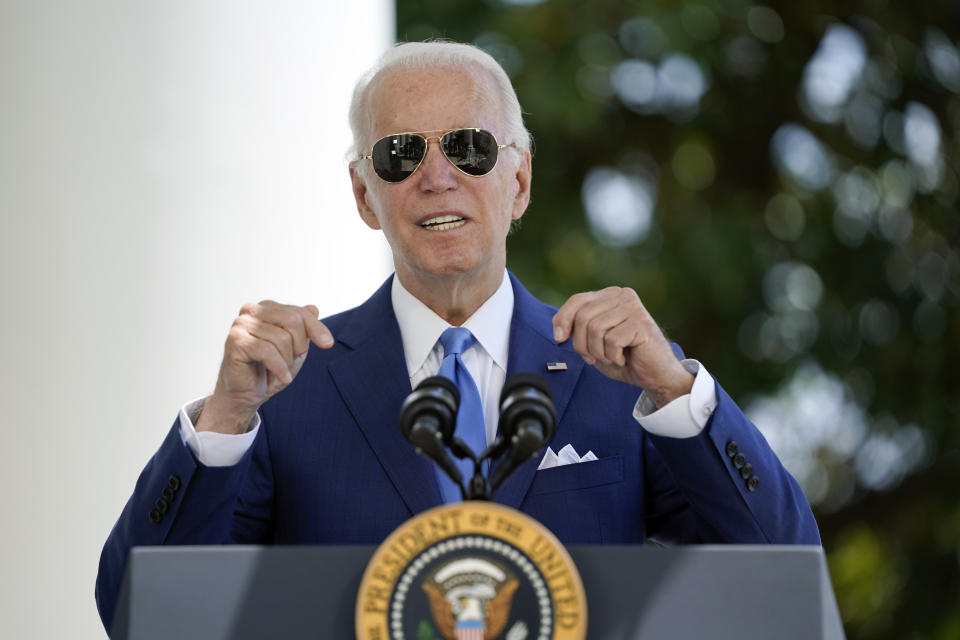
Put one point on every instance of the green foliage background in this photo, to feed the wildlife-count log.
(717, 233)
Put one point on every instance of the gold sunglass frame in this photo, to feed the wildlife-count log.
(438, 136)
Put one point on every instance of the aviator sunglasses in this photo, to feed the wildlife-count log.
(472, 151)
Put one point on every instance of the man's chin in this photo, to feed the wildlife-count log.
(453, 270)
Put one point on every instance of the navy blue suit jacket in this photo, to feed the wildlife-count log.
(330, 465)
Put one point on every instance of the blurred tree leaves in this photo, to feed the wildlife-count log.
(780, 185)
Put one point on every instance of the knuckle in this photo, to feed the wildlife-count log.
(292, 318)
(624, 294)
(594, 325)
(303, 316)
(268, 351)
(283, 342)
(235, 335)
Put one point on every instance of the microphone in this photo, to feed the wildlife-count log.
(528, 420)
(428, 419)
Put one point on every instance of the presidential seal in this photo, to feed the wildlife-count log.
(471, 571)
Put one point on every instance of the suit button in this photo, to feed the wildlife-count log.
(155, 517)
(162, 505)
(174, 482)
(747, 471)
(739, 461)
(168, 494)
(731, 449)
(753, 483)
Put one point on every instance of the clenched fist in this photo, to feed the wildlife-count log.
(264, 351)
(613, 331)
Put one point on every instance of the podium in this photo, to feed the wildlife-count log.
(633, 592)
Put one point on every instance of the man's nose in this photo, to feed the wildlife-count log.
(436, 172)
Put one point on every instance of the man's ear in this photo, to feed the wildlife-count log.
(361, 194)
(523, 178)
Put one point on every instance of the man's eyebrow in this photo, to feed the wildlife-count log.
(429, 131)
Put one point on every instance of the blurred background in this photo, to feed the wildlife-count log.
(778, 182)
(780, 185)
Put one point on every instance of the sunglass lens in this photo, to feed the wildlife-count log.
(473, 151)
(396, 157)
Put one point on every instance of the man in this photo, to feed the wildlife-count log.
(300, 444)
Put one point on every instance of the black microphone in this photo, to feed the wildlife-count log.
(528, 420)
(428, 419)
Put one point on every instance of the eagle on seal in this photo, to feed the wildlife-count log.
(470, 599)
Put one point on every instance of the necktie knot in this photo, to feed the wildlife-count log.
(456, 340)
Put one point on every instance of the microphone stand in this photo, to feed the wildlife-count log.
(478, 487)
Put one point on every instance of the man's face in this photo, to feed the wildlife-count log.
(437, 100)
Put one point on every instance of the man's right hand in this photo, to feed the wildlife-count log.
(265, 349)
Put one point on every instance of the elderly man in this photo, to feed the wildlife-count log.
(299, 441)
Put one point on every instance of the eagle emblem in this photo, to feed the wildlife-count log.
(470, 598)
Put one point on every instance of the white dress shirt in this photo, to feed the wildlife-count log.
(420, 330)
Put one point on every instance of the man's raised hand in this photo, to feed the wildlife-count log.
(613, 331)
(264, 351)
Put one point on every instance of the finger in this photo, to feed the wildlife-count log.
(279, 337)
(564, 317)
(252, 349)
(618, 339)
(586, 320)
(301, 321)
(599, 326)
(316, 330)
(289, 318)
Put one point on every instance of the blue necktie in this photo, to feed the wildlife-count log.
(470, 428)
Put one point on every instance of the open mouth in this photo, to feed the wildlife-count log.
(442, 223)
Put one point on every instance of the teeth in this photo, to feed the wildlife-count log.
(442, 223)
(445, 225)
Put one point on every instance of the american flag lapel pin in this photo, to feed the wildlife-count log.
(556, 366)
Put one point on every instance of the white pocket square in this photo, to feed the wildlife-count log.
(567, 455)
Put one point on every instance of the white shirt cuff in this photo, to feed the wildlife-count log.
(683, 417)
(214, 449)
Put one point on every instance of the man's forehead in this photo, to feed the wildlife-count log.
(435, 76)
(414, 99)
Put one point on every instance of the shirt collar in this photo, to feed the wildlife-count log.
(420, 327)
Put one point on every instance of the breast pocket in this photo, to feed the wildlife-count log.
(581, 475)
(570, 500)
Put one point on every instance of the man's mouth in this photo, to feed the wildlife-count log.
(442, 223)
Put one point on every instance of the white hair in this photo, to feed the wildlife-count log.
(425, 55)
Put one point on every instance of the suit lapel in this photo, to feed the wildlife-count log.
(373, 381)
(531, 348)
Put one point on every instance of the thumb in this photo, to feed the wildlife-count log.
(560, 328)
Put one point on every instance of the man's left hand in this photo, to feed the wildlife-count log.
(613, 331)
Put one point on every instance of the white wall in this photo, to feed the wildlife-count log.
(161, 163)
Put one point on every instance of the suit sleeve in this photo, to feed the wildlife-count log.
(725, 485)
(177, 500)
